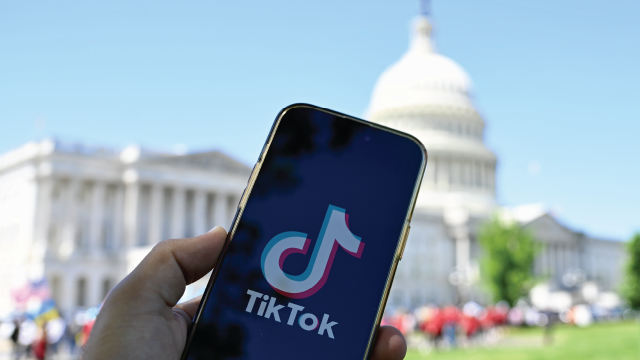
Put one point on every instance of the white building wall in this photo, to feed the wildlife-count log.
(423, 272)
(17, 217)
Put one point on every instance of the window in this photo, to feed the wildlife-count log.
(106, 287)
(167, 213)
(144, 208)
(189, 221)
(81, 292)
(79, 236)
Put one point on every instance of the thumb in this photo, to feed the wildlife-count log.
(173, 264)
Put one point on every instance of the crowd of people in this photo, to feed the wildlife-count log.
(426, 327)
(33, 338)
(431, 327)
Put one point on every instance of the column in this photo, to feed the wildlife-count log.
(177, 218)
(458, 219)
(481, 175)
(454, 177)
(155, 214)
(544, 261)
(199, 212)
(97, 217)
(553, 251)
(492, 178)
(93, 288)
(220, 210)
(67, 242)
(68, 291)
(131, 203)
(43, 213)
(118, 217)
(462, 249)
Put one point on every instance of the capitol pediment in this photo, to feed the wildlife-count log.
(207, 160)
(547, 229)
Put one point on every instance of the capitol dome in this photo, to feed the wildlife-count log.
(429, 96)
(422, 80)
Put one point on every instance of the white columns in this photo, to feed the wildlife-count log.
(66, 283)
(155, 214)
(44, 213)
(35, 260)
(444, 169)
(177, 218)
(544, 262)
(492, 178)
(463, 277)
(97, 216)
(131, 203)
(220, 210)
(199, 212)
(462, 249)
(93, 289)
(69, 230)
(482, 175)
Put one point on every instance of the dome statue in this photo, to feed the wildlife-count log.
(429, 96)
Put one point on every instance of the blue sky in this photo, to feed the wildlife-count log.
(557, 82)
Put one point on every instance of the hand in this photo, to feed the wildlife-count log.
(140, 318)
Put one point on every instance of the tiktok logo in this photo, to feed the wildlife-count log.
(335, 231)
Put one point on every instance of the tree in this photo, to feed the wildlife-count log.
(507, 264)
(631, 287)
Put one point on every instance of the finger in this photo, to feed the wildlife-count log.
(190, 306)
(390, 344)
(197, 256)
(173, 264)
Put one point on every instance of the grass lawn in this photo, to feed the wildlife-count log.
(619, 341)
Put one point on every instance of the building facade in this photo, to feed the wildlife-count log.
(428, 95)
(83, 217)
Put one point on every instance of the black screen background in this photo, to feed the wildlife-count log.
(315, 159)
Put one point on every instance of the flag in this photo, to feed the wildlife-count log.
(37, 289)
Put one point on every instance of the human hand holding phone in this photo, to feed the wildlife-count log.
(141, 319)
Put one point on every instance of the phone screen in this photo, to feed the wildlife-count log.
(305, 272)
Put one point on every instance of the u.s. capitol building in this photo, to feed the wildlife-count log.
(81, 216)
(429, 95)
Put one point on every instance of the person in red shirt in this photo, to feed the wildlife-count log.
(39, 347)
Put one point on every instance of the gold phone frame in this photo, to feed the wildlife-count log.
(401, 242)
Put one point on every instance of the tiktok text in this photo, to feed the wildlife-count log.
(306, 321)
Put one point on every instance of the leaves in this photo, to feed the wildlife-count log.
(631, 286)
(508, 255)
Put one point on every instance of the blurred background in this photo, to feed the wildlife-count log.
(127, 123)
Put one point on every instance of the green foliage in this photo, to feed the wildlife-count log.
(507, 264)
(631, 287)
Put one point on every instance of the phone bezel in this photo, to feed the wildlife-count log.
(401, 242)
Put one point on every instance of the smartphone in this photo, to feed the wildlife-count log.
(310, 257)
